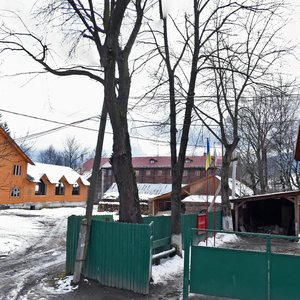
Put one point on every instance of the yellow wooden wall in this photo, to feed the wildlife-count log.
(11, 155)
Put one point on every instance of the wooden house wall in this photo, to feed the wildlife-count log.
(11, 155)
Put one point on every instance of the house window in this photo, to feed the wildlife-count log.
(152, 161)
(109, 172)
(159, 172)
(137, 172)
(40, 188)
(148, 172)
(76, 189)
(15, 192)
(188, 160)
(185, 173)
(59, 189)
(197, 173)
(17, 170)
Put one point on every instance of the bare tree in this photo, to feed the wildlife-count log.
(210, 44)
(50, 156)
(267, 136)
(4, 125)
(108, 28)
(73, 153)
(283, 137)
(181, 68)
(243, 56)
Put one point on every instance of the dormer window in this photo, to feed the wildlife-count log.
(76, 189)
(188, 160)
(152, 161)
(59, 188)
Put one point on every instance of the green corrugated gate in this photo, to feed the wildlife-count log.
(285, 276)
(190, 221)
(161, 232)
(72, 237)
(240, 274)
(119, 254)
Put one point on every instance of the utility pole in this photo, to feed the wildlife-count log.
(85, 228)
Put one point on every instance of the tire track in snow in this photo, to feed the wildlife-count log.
(44, 256)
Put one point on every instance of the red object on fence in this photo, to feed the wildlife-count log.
(202, 222)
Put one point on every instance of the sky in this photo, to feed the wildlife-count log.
(24, 99)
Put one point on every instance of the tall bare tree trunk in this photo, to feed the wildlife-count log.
(225, 191)
(116, 102)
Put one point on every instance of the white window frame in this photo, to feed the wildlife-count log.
(17, 170)
(15, 192)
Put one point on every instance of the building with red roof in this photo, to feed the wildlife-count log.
(154, 169)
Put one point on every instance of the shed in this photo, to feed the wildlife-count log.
(147, 191)
(276, 213)
(195, 195)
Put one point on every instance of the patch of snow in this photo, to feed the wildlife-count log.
(16, 225)
(146, 190)
(54, 173)
(63, 286)
(167, 269)
(240, 188)
(14, 230)
(201, 199)
(219, 240)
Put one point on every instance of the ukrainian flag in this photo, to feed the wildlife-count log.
(208, 156)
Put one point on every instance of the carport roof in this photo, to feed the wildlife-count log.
(286, 194)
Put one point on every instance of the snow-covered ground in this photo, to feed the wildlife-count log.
(24, 233)
(32, 252)
(19, 227)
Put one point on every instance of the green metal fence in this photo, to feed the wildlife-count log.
(240, 274)
(74, 223)
(189, 221)
(161, 232)
(119, 254)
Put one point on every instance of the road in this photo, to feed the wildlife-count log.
(29, 272)
(26, 272)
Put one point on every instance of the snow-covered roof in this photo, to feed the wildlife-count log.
(54, 173)
(240, 188)
(146, 190)
(201, 199)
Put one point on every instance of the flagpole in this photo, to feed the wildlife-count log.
(206, 205)
(207, 165)
(215, 196)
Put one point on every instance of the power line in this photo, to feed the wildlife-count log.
(74, 124)
(39, 134)
(53, 121)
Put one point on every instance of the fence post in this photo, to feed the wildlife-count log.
(81, 249)
(186, 270)
(268, 254)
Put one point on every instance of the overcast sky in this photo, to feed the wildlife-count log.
(72, 99)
